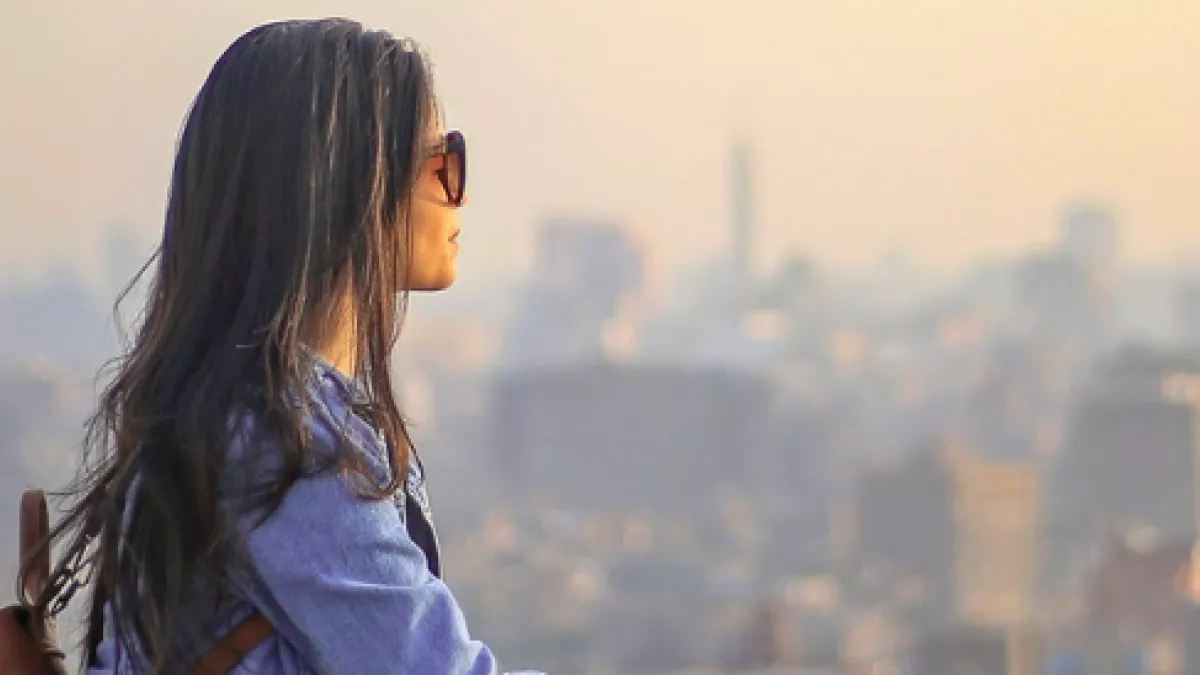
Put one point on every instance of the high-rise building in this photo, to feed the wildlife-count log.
(998, 529)
(592, 261)
(628, 438)
(905, 522)
(742, 216)
(969, 527)
(1070, 292)
(589, 275)
(1130, 452)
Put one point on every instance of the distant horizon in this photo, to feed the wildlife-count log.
(92, 274)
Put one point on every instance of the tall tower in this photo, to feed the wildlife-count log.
(741, 182)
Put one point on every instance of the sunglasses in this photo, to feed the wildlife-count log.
(453, 172)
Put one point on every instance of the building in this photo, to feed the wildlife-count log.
(1090, 238)
(588, 279)
(593, 261)
(1060, 300)
(905, 523)
(1070, 292)
(1015, 651)
(628, 438)
(1137, 589)
(1187, 313)
(743, 232)
(966, 529)
(1129, 457)
(1138, 610)
(998, 530)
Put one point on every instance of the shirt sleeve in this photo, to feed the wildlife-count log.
(348, 578)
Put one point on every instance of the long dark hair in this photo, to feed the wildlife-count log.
(285, 226)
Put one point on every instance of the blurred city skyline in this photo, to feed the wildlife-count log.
(942, 133)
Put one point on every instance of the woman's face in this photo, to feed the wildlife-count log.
(433, 217)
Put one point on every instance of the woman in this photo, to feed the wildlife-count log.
(260, 504)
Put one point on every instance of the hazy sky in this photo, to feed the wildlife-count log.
(951, 129)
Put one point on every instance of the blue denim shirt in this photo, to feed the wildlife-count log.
(341, 579)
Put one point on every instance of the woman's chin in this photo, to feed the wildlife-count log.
(432, 284)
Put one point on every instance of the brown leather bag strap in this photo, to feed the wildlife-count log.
(231, 650)
(34, 532)
(35, 529)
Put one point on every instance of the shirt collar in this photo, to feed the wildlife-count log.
(350, 389)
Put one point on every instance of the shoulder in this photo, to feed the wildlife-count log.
(260, 457)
